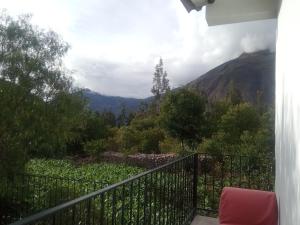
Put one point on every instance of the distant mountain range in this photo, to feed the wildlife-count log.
(252, 74)
(100, 103)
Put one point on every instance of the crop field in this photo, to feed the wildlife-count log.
(47, 183)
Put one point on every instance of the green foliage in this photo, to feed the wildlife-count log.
(39, 108)
(182, 115)
(129, 139)
(143, 135)
(160, 81)
(122, 118)
(238, 119)
(104, 172)
(96, 128)
(213, 117)
(151, 139)
(234, 96)
(170, 144)
(109, 118)
(144, 123)
(49, 183)
(95, 147)
(241, 130)
(214, 145)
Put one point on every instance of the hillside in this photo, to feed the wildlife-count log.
(98, 102)
(250, 73)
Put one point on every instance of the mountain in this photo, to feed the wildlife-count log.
(99, 102)
(251, 74)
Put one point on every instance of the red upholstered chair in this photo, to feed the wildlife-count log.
(247, 207)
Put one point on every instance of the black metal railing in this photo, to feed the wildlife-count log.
(22, 195)
(166, 195)
(218, 171)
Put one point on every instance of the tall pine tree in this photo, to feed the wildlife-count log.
(160, 83)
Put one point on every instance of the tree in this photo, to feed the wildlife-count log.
(160, 83)
(239, 118)
(234, 95)
(182, 115)
(109, 118)
(241, 130)
(122, 118)
(37, 100)
(32, 58)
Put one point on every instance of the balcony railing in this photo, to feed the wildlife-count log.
(22, 195)
(218, 171)
(165, 195)
(169, 194)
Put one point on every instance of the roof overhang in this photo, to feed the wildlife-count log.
(235, 11)
(195, 4)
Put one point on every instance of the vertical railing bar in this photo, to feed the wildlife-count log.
(138, 197)
(170, 180)
(150, 198)
(249, 173)
(231, 169)
(88, 214)
(102, 208)
(240, 179)
(185, 200)
(177, 215)
(108, 209)
(195, 182)
(205, 181)
(130, 202)
(113, 207)
(177, 184)
(73, 214)
(159, 198)
(145, 199)
(174, 193)
(123, 205)
(164, 196)
(155, 197)
(184, 191)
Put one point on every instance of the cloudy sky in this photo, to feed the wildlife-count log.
(115, 44)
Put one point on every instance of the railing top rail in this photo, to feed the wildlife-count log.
(48, 212)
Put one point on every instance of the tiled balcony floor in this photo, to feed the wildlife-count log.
(201, 220)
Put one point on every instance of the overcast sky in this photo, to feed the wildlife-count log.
(115, 44)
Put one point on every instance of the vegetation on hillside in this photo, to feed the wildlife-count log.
(43, 115)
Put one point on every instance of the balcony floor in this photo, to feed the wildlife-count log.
(202, 220)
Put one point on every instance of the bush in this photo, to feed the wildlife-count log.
(95, 147)
(170, 144)
(151, 139)
(129, 140)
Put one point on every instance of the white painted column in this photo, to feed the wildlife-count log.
(288, 113)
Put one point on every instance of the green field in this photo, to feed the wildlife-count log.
(105, 173)
(47, 183)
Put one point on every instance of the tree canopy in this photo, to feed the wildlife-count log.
(182, 115)
(39, 105)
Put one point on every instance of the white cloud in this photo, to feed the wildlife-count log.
(116, 44)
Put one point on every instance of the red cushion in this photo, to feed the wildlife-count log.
(247, 207)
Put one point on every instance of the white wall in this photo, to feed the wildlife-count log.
(288, 113)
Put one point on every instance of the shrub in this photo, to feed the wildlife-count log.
(169, 144)
(151, 139)
(129, 139)
(95, 147)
